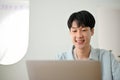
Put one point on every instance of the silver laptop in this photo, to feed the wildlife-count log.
(64, 70)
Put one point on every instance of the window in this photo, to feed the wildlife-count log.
(14, 32)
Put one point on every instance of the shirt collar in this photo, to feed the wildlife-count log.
(94, 55)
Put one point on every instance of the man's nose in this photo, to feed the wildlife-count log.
(79, 34)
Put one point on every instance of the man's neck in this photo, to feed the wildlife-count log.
(82, 53)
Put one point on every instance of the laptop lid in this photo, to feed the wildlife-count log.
(63, 70)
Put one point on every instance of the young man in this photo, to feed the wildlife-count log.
(81, 26)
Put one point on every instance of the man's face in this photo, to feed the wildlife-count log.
(81, 36)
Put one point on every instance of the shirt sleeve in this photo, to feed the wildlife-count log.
(115, 68)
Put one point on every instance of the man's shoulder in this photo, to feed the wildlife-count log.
(65, 55)
(101, 51)
(105, 55)
(62, 55)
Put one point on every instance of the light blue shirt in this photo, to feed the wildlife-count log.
(110, 66)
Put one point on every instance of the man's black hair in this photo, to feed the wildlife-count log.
(83, 18)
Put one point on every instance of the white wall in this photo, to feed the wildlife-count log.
(49, 33)
(108, 38)
(48, 25)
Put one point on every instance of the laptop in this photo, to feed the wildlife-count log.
(63, 70)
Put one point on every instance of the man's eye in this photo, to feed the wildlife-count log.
(84, 30)
(74, 31)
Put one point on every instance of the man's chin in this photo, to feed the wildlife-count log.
(79, 46)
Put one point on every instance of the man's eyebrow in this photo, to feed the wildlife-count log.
(74, 27)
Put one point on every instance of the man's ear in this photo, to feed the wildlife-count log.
(92, 31)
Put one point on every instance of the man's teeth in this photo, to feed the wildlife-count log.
(80, 41)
